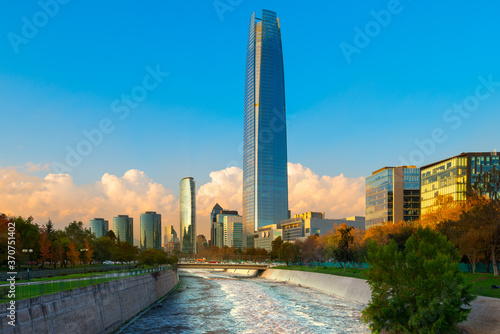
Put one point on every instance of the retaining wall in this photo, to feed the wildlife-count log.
(484, 317)
(100, 308)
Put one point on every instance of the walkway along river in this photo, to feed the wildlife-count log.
(219, 302)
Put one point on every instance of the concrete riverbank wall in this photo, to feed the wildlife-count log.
(483, 319)
(100, 308)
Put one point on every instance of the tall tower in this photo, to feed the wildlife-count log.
(150, 230)
(265, 179)
(187, 188)
(123, 227)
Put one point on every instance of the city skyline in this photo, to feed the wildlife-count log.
(402, 82)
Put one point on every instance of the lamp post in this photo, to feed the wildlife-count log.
(84, 259)
(28, 252)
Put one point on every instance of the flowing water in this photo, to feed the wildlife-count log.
(219, 302)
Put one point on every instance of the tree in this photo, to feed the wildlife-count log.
(45, 249)
(153, 256)
(275, 247)
(289, 253)
(311, 249)
(73, 254)
(111, 235)
(87, 255)
(103, 248)
(417, 290)
(125, 252)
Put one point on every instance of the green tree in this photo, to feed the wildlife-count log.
(28, 236)
(103, 248)
(418, 290)
(153, 257)
(125, 252)
(289, 253)
(275, 247)
(77, 233)
(111, 235)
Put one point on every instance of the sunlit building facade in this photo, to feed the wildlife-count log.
(169, 234)
(150, 230)
(233, 231)
(265, 181)
(392, 195)
(187, 188)
(99, 227)
(123, 227)
(454, 176)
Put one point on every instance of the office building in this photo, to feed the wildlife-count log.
(233, 231)
(201, 243)
(219, 226)
(99, 227)
(169, 234)
(187, 189)
(353, 221)
(392, 195)
(213, 224)
(265, 235)
(123, 227)
(150, 230)
(265, 180)
(171, 247)
(454, 176)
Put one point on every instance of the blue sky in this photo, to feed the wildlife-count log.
(343, 117)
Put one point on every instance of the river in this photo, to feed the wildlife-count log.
(219, 302)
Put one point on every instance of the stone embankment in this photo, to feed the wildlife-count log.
(100, 308)
(483, 319)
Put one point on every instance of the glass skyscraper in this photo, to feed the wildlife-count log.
(99, 226)
(123, 227)
(150, 230)
(265, 180)
(187, 188)
(392, 195)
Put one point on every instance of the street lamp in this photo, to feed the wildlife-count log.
(84, 259)
(28, 252)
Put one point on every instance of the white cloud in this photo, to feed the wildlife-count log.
(56, 196)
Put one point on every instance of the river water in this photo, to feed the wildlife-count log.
(219, 302)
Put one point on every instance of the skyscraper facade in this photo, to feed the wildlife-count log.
(99, 226)
(150, 230)
(187, 188)
(123, 227)
(392, 195)
(213, 223)
(265, 183)
(170, 235)
(454, 176)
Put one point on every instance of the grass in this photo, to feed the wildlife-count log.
(481, 282)
(349, 272)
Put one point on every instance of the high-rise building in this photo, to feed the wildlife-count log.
(392, 195)
(265, 180)
(233, 231)
(454, 176)
(123, 227)
(170, 235)
(150, 230)
(99, 227)
(213, 224)
(187, 189)
(201, 243)
(219, 226)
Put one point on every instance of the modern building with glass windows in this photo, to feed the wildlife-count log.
(99, 227)
(150, 230)
(187, 188)
(265, 181)
(170, 235)
(213, 224)
(454, 176)
(392, 195)
(123, 227)
(233, 231)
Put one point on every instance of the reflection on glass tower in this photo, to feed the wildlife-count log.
(187, 189)
(123, 227)
(150, 230)
(265, 184)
